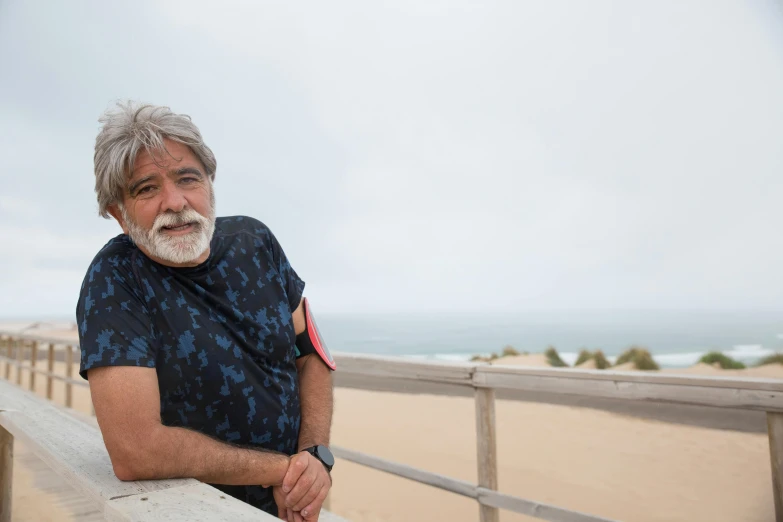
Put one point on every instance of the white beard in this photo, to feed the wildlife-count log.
(175, 249)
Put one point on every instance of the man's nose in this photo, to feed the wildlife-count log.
(173, 198)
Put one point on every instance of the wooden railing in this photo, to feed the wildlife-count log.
(724, 392)
(72, 446)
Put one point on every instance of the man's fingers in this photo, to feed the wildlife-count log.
(302, 487)
(296, 467)
(312, 511)
(310, 495)
(279, 496)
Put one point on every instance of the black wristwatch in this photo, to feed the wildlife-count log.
(323, 454)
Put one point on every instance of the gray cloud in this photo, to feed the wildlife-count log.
(423, 156)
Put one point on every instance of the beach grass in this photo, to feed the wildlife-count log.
(553, 358)
(509, 351)
(775, 358)
(601, 362)
(640, 357)
(583, 357)
(725, 362)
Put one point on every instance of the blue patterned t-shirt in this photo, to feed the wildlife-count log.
(220, 336)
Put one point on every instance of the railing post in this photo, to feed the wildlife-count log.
(775, 430)
(33, 359)
(50, 368)
(487, 449)
(21, 348)
(69, 374)
(8, 347)
(6, 473)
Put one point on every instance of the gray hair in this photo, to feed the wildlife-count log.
(128, 130)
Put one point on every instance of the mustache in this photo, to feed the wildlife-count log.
(176, 219)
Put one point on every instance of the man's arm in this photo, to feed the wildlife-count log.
(127, 406)
(307, 483)
(315, 393)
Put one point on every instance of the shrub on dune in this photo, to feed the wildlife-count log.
(640, 357)
(601, 363)
(553, 358)
(509, 350)
(628, 355)
(775, 358)
(583, 357)
(725, 362)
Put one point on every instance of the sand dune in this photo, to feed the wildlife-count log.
(769, 371)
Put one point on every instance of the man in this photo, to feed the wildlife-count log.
(201, 352)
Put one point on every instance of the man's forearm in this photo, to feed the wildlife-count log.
(178, 452)
(315, 397)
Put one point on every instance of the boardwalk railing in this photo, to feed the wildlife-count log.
(74, 448)
(724, 392)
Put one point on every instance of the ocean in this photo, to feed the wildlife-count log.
(675, 338)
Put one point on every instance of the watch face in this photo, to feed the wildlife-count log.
(325, 455)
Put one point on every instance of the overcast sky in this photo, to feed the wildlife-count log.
(422, 155)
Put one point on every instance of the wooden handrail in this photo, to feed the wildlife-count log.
(486, 497)
(75, 450)
(759, 394)
(50, 375)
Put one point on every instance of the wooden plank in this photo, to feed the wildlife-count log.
(69, 374)
(39, 338)
(678, 392)
(60, 493)
(21, 348)
(33, 361)
(6, 473)
(185, 504)
(53, 375)
(483, 495)
(74, 449)
(399, 368)
(459, 487)
(534, 509)
(50, 370)
(70, 447)
(775, 429)
(8, 349)
(188, 503)
(486, 446)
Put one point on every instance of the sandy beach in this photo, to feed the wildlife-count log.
(623, 466)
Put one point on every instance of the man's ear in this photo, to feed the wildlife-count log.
(115, 212)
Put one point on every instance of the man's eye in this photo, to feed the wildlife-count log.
(189, 180)
(144, 190)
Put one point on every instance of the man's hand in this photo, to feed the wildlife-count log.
(283, 512)
(305, 486)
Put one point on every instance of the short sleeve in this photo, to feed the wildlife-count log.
(113, 321)
(292, 283)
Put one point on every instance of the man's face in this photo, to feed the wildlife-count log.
(169, 207)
